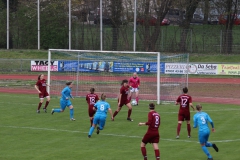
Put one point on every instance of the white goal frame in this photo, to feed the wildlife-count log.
(116, 52)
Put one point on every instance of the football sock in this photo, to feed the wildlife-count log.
(115, 113)
(91, 131)
(189, 129)
(129, 113)
(46, 104)
(208, 144)
(205, 150)
(144, 153)
(71, 113)
(178, 128)
(39, 105)
(137, 99)
(157, 154)
(57, 110)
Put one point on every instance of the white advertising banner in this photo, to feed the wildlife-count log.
(175, 68)
(210, 69)
(192, 68)
(39, 65)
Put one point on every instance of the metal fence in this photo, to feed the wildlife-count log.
(85, 35)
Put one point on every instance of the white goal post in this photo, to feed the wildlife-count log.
(104, 71)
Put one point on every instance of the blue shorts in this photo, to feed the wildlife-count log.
(203, 136)
(65, 103)
(100, 120)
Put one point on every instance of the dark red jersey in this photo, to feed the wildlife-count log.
(124, 91)
(91, 99)
(184, 101)
(42, 85)
(153, 121)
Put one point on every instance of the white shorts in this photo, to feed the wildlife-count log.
(134, 90)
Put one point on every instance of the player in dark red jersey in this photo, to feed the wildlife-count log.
(152, 135)
(91, 99)
(41, 88)
(123, 99)
(184, 101)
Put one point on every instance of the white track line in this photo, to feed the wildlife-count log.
(115, 135)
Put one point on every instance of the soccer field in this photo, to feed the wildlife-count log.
(26, 135)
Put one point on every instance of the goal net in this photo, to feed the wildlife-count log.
(105, 70)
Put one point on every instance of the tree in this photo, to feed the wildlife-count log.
(160, 7)
(191, 6)
(231, 13)
(116, 13)
(13, 4)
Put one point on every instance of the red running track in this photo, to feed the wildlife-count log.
(191, 80)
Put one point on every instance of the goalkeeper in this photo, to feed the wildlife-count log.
(134, 82)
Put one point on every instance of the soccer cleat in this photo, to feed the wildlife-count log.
(98, 130)
(45, 110)
(52, 111)
(210, 159)
(215, 147)
(112, 119)
(89, 136)
(38, 111)
(189, 136)
(72, 119)
(177, 137)
(129, 119)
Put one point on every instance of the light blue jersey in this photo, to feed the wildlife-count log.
(66, 93)
(100, 115)
(102, 108)
(65, 100)
(201, 120)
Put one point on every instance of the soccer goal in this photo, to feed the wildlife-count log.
(104, 71)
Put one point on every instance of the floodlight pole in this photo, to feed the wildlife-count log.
(7, 24)
(70, 36)
(38, 24)
(135, 23)
(101, 27)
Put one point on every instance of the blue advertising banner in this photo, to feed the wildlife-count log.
(140, 67)
(85, 66)
(104, 66)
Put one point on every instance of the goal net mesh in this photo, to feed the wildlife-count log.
(105, 71)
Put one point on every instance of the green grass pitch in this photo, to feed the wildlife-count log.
(26, 135)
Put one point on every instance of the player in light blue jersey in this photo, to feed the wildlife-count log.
(201, 120)
(65, 101)
(102, 108)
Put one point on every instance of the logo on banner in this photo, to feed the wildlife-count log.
(38, 65)
(192, 68)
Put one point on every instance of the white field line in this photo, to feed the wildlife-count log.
(114, 135)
